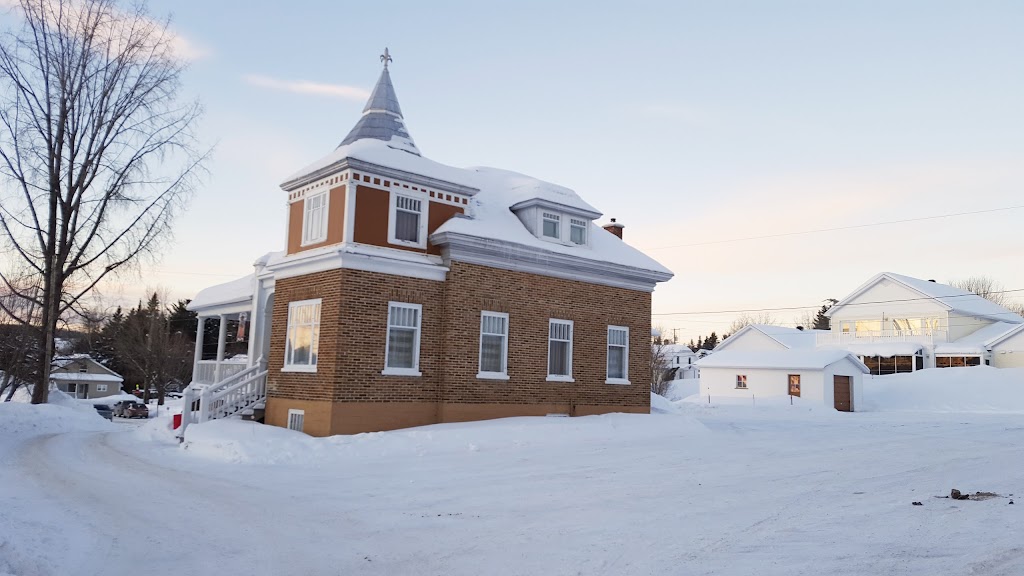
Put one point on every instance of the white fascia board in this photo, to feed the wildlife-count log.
(224, 308)
(378, 170)
(863, 287)
(341, 256)
(532, 260)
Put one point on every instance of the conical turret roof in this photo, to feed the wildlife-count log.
(382, 117)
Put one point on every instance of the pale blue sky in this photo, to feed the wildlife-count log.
(690, 122)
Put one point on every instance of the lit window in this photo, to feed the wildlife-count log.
(794, 384)
(314, 219)
(618, 355)
(406, 225)
(741, 381)
(560, 350)
(301, 348)
(577, 231)
(551, 225)
(493, 345)
(402, 351)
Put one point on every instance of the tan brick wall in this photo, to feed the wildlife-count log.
(353, 331)
(530, 301)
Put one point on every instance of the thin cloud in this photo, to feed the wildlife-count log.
(308, 88)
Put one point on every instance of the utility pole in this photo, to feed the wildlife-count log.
(675, 340)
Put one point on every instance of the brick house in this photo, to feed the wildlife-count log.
(412, 293)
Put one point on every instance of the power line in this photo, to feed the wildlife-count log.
(837, 228)
(781, 308)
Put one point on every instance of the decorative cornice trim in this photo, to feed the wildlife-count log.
(532, 260)
(357, 164)
(424, 267)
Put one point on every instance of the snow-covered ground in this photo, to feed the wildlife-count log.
(692, 489)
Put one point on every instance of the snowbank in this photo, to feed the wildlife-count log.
(19, 420)
(973, 389)
(243, 442)
(662, 405)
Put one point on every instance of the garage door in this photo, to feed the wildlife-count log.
(843, 394)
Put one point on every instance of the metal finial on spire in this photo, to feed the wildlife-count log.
(385, 57)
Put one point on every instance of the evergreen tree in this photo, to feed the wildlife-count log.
(821, 321)
(691, 346)
(181, 320)
(711, 342)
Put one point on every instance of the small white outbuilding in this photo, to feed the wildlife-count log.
(832, 378)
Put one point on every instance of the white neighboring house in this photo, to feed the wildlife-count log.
(681, 362)
(896, 323)
(79, 376)
(831, 378)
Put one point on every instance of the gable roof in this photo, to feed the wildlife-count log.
(980, 340)
(788, 337)
(798, 359)
(62, 362)
(953, 299)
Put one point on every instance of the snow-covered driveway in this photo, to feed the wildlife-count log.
(718, 491)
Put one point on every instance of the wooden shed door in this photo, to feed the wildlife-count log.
(842, 393)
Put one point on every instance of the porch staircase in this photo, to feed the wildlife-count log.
(243, 394)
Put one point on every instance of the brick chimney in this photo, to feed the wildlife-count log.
(615, 228)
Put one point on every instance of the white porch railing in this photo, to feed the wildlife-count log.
(840, 338)
(243, 390)
(205, 371)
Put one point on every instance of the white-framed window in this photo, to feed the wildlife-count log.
(407, 223)
(101, 387)
(303, 336)
(402, 349)
(296, 419)
(493, 345)
(314, 218)
(618, 355)
(551, 225)
(741, 381)
(578, 231)
(560, 350)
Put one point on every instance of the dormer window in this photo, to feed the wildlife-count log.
(552, 225)
(577, 231)
(407, 221)
(314, 219)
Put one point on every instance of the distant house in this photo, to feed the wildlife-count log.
(896, 323)
(680, 362)
(79, 376)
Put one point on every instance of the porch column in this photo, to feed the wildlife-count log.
(221, 341)
(199, 346)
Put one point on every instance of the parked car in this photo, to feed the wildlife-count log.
(131, 409)
(104, 410)
(174, 395)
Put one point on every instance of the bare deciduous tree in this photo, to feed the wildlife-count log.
(97, 153)
(748, 319)
(659, 363)
(989, 289)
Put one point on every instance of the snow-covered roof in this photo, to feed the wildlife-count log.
(234, 292)
(678, 350)
(883, 349)
(491, 218)
(955, 299)
(84, 377)
(980, 340)
(797, 359)
(788, 337)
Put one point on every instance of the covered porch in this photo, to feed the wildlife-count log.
(224, 334)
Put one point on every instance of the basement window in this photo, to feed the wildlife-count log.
(296, 419)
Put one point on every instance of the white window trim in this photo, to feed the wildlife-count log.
(625, 358)
(560, 222)
(585, 224)
(101, 387)
(572, 334)
(300, 367)
(296, 412)
(424, 216)
(415, 370)
(504, 348)
(307, 241)
(744, 387)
